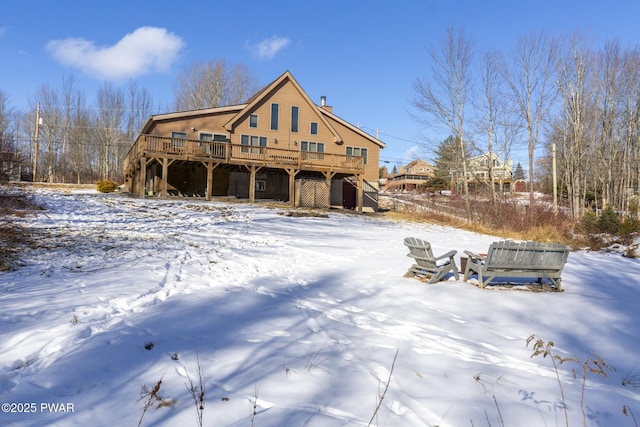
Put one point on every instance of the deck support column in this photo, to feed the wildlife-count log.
(165, 175)
(142, 179)
(360, 193)
(292, 185)
(253, 169)
(165, 172)
(328, 176)
(210, 167)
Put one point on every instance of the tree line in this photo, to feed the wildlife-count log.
(62, 137)
(565, 93)
(573, 105)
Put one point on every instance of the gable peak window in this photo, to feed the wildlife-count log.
(253, 121)
(275, 113)
(314, 128)
(294, 118)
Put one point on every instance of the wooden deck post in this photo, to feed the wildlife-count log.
(253, 169)
(328, 176)
(360, 193)
(165, 174)
(292, 185)
(210, 167)
(142, 179)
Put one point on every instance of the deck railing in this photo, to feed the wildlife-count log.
(234, 153)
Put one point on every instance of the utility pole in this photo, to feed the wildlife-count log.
(35, 151)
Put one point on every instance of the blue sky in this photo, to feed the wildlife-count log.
(364, 56)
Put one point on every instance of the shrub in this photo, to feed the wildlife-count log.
(588, 224)
(628, 228)
(608, 222)
(106, 186)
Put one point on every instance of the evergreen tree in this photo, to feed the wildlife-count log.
(448, 159)
(518, 173)
(608, 222)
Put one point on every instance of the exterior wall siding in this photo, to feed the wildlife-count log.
(188, 163)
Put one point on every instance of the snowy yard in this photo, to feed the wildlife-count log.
(296, 321)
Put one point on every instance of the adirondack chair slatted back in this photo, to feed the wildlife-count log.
(420, 251)
(526, 255)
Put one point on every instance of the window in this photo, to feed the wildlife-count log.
(275, 112)
(315, 147)
(314, 128)
(294, 119)
(312, 150)
(212, 137)
(253, 144)
(358, 152)
(253, 121)
(261, 185)
(178, 139)
(206, 142)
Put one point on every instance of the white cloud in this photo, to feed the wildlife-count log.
(268, 48)
(146, 50)
(414, 153)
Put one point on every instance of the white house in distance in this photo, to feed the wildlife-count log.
(478, 172)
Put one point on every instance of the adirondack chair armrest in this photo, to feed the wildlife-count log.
(449, 254)
(475, 257)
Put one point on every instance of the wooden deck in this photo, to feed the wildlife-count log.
(167, 150)
(150, 146)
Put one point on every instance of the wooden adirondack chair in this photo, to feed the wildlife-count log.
(519, 259)
(426, 265)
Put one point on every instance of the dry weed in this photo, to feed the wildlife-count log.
(14, 204)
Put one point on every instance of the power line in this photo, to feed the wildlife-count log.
(377, 131)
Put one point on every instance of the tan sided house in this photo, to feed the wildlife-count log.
(279, 145)
(412, 176)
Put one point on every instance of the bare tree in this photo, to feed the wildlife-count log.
(81, 154)
(626, 175)
(490, 106)
(9, 158)
(139, 108)
(213, 84)
(443, 97)
(531, 81)
(50, 130)
(610, 151)
(632, 136)
(108, 129)
(574, 85)
(5, 122)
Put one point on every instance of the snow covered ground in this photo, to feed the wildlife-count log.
(296, 322)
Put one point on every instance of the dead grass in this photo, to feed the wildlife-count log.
(14, 204)
(506, 218)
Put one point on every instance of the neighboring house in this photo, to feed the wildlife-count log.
(478, 171)
(411, 176)
(279, 145)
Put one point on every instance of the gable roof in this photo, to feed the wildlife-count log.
(241, 110)
(352, 127)
(417, 161)
(190, 113)
(487, 156)
(267, 91)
